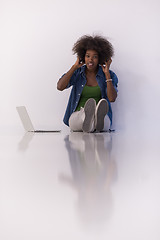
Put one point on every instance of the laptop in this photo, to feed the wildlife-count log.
(26, 121)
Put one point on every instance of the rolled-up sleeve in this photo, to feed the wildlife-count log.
(114, 80)
(73, 79)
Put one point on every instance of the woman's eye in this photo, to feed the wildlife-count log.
(88, 56)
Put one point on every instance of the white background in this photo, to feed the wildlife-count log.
(36, 39)
(36, 49)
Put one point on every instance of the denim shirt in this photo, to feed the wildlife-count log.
(78, 81)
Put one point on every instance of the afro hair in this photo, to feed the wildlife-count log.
(98, 43)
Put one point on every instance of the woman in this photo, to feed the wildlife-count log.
(94, 86)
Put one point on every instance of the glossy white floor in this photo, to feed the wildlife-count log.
(80, 186)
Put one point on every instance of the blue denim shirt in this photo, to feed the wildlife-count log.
(78, 81)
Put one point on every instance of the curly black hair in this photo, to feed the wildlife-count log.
(98, 43)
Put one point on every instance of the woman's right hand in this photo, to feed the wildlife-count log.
(78, 63)
(64, 80)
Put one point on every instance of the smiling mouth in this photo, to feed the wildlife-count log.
(90, 64)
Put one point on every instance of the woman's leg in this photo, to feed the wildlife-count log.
(83, 120)
(76, 120)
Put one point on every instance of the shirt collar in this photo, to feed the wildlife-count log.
(82, 70)
(100, 71)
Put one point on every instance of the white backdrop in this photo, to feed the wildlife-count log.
(36, 49)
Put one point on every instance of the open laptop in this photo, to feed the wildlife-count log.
(26, 121)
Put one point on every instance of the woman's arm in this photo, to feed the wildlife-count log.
(111, 92)
(63, 82)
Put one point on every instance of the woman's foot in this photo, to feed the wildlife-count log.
(100, 113)
(89, 109)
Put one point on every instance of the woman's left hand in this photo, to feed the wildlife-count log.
(106, 66)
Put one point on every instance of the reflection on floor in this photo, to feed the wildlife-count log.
(93, 170)
(78, 185)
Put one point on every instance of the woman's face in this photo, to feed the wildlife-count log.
(91, 60)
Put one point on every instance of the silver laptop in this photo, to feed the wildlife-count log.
(26, 121)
